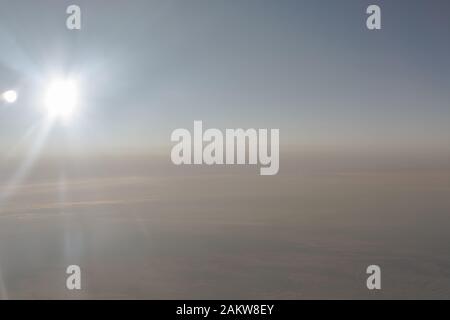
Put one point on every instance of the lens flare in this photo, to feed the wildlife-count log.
(10, 96)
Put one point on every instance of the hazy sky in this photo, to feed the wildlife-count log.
(310, 68)
(141, 227)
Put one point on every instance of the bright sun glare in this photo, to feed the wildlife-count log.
(61, 98)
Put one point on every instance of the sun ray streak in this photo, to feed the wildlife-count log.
(26, 165)
(3, 291)
(29, 133)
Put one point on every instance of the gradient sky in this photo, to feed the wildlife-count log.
(141, 227)
(310, 68)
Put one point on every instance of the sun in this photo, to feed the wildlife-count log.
(61, 98)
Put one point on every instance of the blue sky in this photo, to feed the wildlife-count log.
(309, 68)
